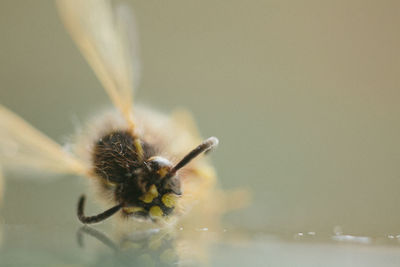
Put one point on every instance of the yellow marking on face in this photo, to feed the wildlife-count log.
(153, 190)
(132, 209)
(150, 195)
(156, 212)
(169, 200)
(163, 171)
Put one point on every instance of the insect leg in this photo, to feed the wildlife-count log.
(96, 234)
(96, 218)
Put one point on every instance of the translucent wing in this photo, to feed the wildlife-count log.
(106, 38)
(23, 146)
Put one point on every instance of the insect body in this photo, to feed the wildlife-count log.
(143, 184)
(130, 153)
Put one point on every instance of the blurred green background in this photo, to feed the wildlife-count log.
(303, 95)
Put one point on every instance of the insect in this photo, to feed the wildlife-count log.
(127, 153)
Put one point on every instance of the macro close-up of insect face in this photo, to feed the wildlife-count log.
(145, 185)
(199, 133)
(125, 151)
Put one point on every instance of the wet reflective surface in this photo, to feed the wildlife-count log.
(35, 233)
(84, 246)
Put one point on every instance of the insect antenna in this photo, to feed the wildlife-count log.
(96, 218)
(205, 146)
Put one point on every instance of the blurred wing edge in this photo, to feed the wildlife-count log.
(22, 147)
(107, 39)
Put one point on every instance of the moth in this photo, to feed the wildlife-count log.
(144, 164)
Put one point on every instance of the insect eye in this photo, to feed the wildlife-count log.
(173, 185)
(169, 200)
(159, 165)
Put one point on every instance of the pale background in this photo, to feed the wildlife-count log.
(303, 95)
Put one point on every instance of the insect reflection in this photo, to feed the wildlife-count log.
(152, 247)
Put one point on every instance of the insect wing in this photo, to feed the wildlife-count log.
(106, 38)
(21, 145)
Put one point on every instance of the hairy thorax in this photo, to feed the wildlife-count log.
(132, 178)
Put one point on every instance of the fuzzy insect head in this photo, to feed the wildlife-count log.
(158, 194)
(144, 189)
